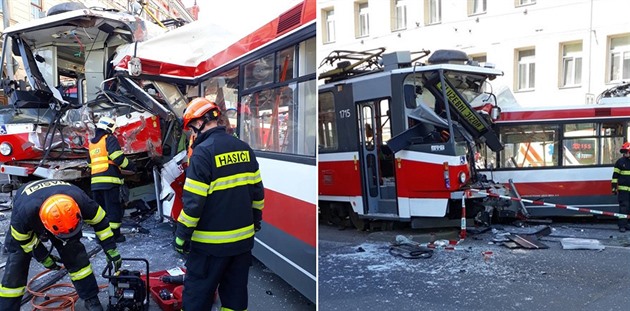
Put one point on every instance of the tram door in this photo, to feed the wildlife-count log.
(376, 166)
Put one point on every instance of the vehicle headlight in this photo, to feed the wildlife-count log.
(462, 177)
(5, 149)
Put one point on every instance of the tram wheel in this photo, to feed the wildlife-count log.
(359, 223)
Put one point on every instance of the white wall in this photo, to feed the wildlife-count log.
(497, 33)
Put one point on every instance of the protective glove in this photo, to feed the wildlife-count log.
(181, 246)
(51, 263)
(113, 257)
(257, 226)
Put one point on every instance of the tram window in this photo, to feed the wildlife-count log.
(284, 61)
(307, 61)
(223, 90)
(579, 151)
(610, 149)
(530, 146)
(367, 136)
(327, 125)
(259, 72)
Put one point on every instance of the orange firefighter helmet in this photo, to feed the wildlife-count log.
(198, 108)
(61, 215)
(625, 148)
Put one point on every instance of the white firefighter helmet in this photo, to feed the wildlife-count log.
(106, 123)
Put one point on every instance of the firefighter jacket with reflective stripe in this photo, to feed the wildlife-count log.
(621, 174)
(223, 195)
(27, 228)
(106, 160)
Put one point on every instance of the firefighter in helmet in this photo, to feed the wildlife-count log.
(621, 185)
(106, 161)
(54, 210)
(223, 200)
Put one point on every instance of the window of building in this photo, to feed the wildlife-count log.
(433, 11)
(526, 69)
(329, 25)
(362, 20)
(619, 58)
(524, 2)
(36, 9)
(399, 14)
(571, 64)
(479, 58)
(476, 7)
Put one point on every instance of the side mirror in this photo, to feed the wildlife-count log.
(495, 113)
(134, 67)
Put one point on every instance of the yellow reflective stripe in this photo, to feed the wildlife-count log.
(30, 245)
(125, 163)
(104, 234)
(624, 188)
(258, 204)
(107, 179)
(100, 214)
(186, 220)
(196, 187)
(100, 159)
(616, 170)
(236, 180)
(18, 236)
(115, 154)
(221, 237)
(115, 225)
(624, 173)
(614, 181)
(81, 274)
(8, 292)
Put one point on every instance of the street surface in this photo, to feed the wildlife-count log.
(152, 241)
(356, 272)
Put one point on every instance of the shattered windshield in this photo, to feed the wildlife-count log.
(470, 86)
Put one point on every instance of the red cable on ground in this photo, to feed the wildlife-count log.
(583, 210)
(53, 302)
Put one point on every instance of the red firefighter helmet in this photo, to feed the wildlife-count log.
(198, 108)
(61, 215)
(625, 148)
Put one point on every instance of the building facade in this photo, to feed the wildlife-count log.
(552, 53)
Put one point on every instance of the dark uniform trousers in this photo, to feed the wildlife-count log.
(73, 256)
(109, 199)
(204, 273)
(624, 207)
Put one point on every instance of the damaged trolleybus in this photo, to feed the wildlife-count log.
(265, 83)
(561, 155)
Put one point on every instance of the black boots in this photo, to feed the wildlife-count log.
(118, 237)
(93, 304)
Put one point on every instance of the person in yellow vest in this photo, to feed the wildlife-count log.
(106, 161)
